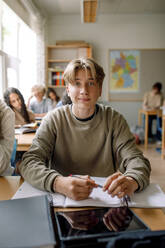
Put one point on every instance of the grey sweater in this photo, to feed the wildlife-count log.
(7, 121)
(98, 147)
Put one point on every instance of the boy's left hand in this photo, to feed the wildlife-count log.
(120, 185)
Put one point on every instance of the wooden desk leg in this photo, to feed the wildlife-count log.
(139, 118)
(146, 132)
(163, 139)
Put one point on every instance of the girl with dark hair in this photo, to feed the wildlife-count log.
(51, 93)
(15, 100)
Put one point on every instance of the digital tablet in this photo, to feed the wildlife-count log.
(96, 223)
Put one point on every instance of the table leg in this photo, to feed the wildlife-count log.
(163, 139)
(146, 132)
(139, 118)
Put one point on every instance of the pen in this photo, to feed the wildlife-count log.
(100, 186)
(125, 200)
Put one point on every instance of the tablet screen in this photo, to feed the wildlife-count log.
(97, 222)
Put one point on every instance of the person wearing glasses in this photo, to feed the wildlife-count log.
(85, 138)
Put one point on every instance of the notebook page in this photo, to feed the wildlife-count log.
(26, 190)
(97, 198)
(58, 200)
(151, 197)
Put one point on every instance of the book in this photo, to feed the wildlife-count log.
(26, 223)
(151, 197)
(23, 130)
(57, 78)
(27, 128)
(30, 125)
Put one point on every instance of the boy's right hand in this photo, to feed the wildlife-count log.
(75, 188)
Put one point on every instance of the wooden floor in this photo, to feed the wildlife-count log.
(157, 165)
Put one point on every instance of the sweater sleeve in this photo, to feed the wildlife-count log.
(7, 139)
(130, 159)
(35, 164)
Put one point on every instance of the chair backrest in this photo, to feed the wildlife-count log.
(159, 112)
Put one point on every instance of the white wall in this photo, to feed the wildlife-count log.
(109, 32)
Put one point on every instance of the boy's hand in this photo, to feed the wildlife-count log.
(120, 185)
(75, 188)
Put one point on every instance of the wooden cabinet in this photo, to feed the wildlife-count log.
(57, 58)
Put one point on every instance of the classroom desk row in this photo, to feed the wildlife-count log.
(154, 218)
(25, 140)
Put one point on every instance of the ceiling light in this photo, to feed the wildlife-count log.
(88, 10)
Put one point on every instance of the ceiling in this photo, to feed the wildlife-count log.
(55, 7)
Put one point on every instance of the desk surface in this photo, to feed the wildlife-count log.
(154, 218)
(149, 112)
(24, 141)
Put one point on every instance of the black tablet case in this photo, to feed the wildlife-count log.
(26, 223)
(88, 238)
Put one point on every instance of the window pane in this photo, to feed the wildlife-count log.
(2, 74)
(1, 82)
(9, 31)
(12, 77)
(27, 56)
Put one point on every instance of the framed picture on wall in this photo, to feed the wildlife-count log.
(124, 73)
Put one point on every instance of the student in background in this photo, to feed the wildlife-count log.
(6, 139)
(51, 93)
(85, 138)
(39, 105)
(153, 100)
(15, 100)
(65, 100)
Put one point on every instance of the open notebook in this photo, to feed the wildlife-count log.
(27, 128)
(151, 197)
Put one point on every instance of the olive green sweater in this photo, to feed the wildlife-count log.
(98, 147)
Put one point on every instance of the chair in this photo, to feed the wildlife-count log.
(13, 155)
(159, 125)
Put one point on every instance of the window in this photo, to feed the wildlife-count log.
(9, 31)
(1, 75)
(27, 55)
(19, 46)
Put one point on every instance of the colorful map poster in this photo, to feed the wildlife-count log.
(124, 71)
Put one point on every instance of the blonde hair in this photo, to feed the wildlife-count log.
(38, 88)
(84, 64)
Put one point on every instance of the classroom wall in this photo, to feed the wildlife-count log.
(111, 32)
